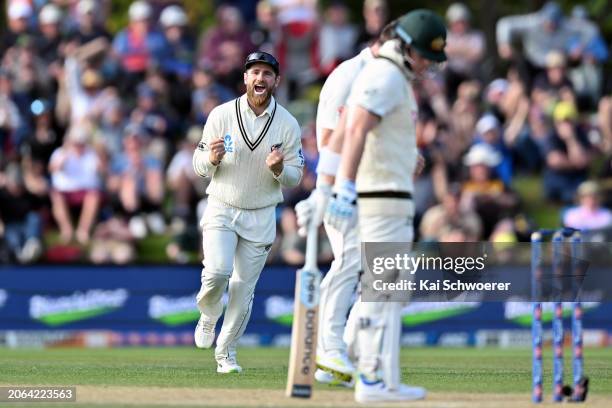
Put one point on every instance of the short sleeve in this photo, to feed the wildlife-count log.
(379, 88)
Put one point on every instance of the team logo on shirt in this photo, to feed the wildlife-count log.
(301, 157)
(202, 146)
(228, 144)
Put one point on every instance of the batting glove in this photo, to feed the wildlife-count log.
(341, 212)
(312, 209)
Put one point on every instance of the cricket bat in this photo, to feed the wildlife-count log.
(302, 358)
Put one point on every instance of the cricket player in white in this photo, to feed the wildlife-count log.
(379, 156)
(338, 286)
(250, 146)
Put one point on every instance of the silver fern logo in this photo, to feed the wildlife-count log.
(228, 144)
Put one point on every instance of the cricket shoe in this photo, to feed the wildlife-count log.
(376, 391)
(228, 365)
(204, 334)
(338, 364)
(324, 377)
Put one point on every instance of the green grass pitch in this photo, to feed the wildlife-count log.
(441, 370)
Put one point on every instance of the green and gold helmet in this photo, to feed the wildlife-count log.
(424, 31)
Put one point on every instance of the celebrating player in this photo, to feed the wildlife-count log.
(378, 153)
(250, 147)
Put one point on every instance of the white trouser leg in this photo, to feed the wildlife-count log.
(380, 322)
(391, 344)
(337, 289)
(351, 330)
(219, 247)
(248, 264)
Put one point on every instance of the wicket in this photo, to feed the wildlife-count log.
(560, 238)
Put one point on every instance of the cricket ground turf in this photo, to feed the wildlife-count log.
(186, 377)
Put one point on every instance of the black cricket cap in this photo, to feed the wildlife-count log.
(264, 58)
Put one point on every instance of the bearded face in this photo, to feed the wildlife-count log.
(260, 81)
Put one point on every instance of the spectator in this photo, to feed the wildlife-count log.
(587, 56)
(10, 117)
(431, 185)
(508, 103)
(19, 15)
(139, 45)
(184, 185)
(205, 85)
(465, 49)
(154, 120)
(484, 192)
(75, 179)
(181, 44)
(87, 27)
(112, 242)
(539, 33)
(264, 32)
(463, 116)
(43, 140)
(49, 38)
(589, 214)
(186, 190)
(376, 16)
(229, 69)
(19, 216)
(229, 28)
(85, 87)
(136, 183)
(489, 131)
(439, 220)
(553, 84)
(298, 49)
(28, 72)
(568, 155)
(337, 37)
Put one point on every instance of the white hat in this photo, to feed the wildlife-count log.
(85, 7)
(482, 153)
(50, 14)
(457, 12)
(486, 123)
(19, 10)
(173, 16)
(139, 10)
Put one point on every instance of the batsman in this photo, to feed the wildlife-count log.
(374, 183)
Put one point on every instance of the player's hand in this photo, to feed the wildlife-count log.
(274, 161)
(217, 151)
(312, 209)
(341, 212)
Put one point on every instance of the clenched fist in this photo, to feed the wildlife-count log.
(274, 161)
(217, 151)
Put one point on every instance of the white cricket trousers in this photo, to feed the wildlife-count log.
(236, 244)
(379, 327)
(338, 288)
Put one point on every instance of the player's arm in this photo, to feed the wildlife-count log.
(330, 154)
(209, 153)
(341, 212)
(359, 122)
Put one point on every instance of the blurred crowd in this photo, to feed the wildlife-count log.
(97, 130)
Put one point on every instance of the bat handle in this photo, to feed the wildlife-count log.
(312, 240)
